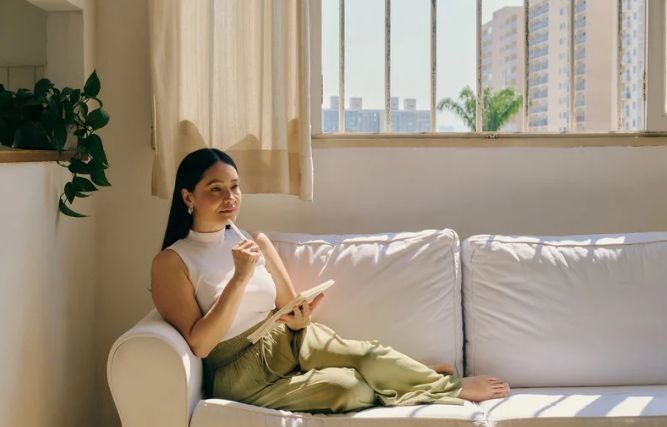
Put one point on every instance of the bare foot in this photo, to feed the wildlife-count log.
(483, 387)
(443, 368)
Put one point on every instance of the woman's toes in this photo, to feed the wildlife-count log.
(501, 394)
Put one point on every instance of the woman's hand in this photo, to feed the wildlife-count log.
(245, 254)
(300, 316)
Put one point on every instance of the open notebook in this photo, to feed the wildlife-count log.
(304, 296)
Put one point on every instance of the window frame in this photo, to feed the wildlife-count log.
(655, 69)
(655, 105)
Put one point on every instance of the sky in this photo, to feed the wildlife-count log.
(410, 50)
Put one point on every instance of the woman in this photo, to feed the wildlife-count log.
(217, 287)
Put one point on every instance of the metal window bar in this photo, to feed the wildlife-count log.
(211, 74)
(341, 66)
(570, 76)
(387, 65)
(478, 112)
(619, 65)
(434, 10)
(524, 124)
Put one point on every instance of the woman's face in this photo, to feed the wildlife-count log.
(216, 198)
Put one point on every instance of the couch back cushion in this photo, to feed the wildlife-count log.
(568, 310)
(403, 289)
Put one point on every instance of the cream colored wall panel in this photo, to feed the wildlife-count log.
(39, 73)
(22, 33)
(65, 49)
(4, 74)
(21, 77)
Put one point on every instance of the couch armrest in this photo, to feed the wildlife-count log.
(154, 377)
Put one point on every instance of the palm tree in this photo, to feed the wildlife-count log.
(499, 107)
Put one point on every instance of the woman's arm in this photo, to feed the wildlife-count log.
(284, 289)
(173, 296)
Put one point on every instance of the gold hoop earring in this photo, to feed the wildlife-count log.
(190, 209)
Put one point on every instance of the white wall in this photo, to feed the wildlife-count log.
(47, 266)
(476, 190)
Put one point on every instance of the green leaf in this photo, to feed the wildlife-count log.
(92, 86)
(99, 178)
(59, 136)
(23, 94)
(83, 184)
(94, 146)
(55, 106)
(95, 164)
(83, 109)
(75, 96)
(81, 195)
(49, 120)
(6, 100)
(69, 192)
(97, 118)
(69, 113)
(77, 166)
(33, 101)
(67, 211)
(80, 132)
(82, 148)
(41, 87)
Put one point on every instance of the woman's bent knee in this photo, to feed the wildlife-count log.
(350, 391)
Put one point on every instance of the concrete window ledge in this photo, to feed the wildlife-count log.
(488, 140)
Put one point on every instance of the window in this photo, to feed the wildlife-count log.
(415, 65)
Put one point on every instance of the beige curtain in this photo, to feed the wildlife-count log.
(234, 75)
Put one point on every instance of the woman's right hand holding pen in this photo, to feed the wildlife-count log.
(245, 254)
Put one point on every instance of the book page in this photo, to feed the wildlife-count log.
(304, 296)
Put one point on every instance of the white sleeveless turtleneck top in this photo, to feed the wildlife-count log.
(208, 257)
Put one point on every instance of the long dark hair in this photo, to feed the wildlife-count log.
(189, 173)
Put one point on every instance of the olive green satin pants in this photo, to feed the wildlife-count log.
(315, 370)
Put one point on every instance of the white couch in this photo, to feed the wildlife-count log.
(577, 325)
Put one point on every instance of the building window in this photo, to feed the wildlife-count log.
(391, 82)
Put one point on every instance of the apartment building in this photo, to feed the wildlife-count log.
(595, 72)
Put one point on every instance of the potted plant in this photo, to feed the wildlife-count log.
(46, 117)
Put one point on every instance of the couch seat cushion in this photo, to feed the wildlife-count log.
(220, 412)
(644, 406)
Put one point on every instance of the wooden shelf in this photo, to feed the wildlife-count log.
(14, 155)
